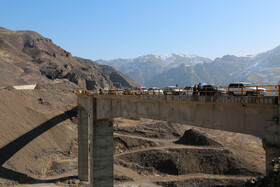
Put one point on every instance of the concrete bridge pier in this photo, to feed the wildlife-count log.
(83, 150)
(102, 154)
(272, 151)
(95, 135)
(271, 142)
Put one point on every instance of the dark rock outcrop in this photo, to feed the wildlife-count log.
(193, 137)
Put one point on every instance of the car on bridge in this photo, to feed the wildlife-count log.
(212, 90)
(188, 91)
(155, 91)
(128, 92)
(140, 91)
(117, 91)
(171, 90)
(245, 88)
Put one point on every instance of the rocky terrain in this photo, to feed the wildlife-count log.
(26, 57)
(182, 155)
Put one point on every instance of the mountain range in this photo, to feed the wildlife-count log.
(26, 57)
(172, 69)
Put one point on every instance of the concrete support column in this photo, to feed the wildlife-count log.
(102, 156)
(271, 142)
(83, 150)
(272, 151)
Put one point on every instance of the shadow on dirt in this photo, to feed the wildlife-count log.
(13, 147)
(24, 179)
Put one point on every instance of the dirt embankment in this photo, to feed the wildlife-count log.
(185, 156)
(37, 129)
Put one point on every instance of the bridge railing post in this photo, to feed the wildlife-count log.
(179, 94)
(205, 94)
(217, 93)
(242, 93)
(228, 92)
(279, 93)
(257, 94)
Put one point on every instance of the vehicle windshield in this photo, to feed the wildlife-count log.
(210, 86)
(172, 87)
(154, 88)
(249, 84)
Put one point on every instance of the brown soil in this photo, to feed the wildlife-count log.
(125, 143)
(205, 182)
(199, 157)
(150, 128)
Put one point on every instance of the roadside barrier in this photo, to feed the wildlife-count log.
(255, 91)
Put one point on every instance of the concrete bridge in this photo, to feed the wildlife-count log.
(249, 115)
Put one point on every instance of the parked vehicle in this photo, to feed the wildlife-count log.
(212, 90)
(117, 91)
(111, 92)
(155, 91)
(141, 91)
(188, 90)
(144, 90)
(245, 88)
(128, 92)
(171, 90)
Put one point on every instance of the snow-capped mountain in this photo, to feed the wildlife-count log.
(171, 69)
(144, 68)
(263, 68)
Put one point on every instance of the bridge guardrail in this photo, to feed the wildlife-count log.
(270, 90)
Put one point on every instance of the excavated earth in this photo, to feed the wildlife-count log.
(183, 155)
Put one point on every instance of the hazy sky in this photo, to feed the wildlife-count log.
(111, 29)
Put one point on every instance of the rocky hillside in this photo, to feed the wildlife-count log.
(39, 127)
(263, 68)
(26, 57)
